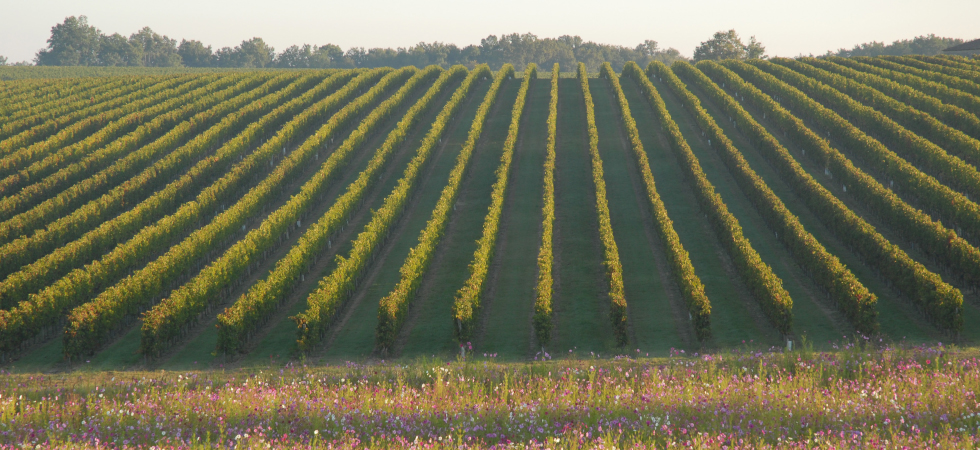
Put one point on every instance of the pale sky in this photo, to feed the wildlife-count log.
(785, 27)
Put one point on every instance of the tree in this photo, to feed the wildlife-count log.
(72, 43)
(723, 45)
(755, 49)
(920, 45)
(727, 45)
(3, 60)
(255, 53)
(328, 55)
(116, 50)
(295, 57)
(195, 54)
(155, 50)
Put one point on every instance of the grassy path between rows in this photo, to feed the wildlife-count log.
(428, 329)
(509, 297)
(656, 325)
(581, 306)
(355, 339)
(893, 315)
(201, 342)
(122, 350)
(816, 319)
(735, 316)
(382, 186)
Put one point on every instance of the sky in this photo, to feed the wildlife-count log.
(785, 27)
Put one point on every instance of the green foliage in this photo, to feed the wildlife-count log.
(90, 324)
(966, 85)
(72, 43)
(393, 308)
(45, 308)
(79, 182)
(194, 54)
(75, 43)
(727, 45)
(946, 94)
(918, 154)
(955, 208)
(758, 276)
(467, 302)
(545, 286)
(610, 252)
(165, 322)
(687, 280)
(941, 302)
(101, 231)
(929, 44)
(922, 103)
(826, 270)
(237, 322)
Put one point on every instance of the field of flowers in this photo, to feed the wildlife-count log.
(860, 396)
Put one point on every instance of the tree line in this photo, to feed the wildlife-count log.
(920, 45)
(75, 42)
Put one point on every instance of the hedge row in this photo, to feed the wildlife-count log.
(949, 249)
(948, 61)
(237, 323)
(970, 76)
(941, 137)
(18, 97)
(165, 322)
(45, 157)
(757, 275)
(39, 121)
(698, 305)
(949, 114)
(467, 302)
(967, 101)
(827, 106)
(19, 100)
(90, 324)
(48, 306)
(61, 192)
(393, 308)
(618, 309)
(84, 158)
(58, 249)
(545, 286)
(958, 83)
(941, 302)
(853, 299)
(46, 138)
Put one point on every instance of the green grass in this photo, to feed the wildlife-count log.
(808, 317)
(731, 320)
(654, 324)
(657, 313)
(509, 298)
(892, 317)
(581, 306)
(430, 331)
(280, 342)
(123, 351)
(356, 338)
(207, 341)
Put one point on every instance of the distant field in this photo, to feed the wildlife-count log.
(195, 219)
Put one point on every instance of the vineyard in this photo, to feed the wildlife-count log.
(205, 219)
